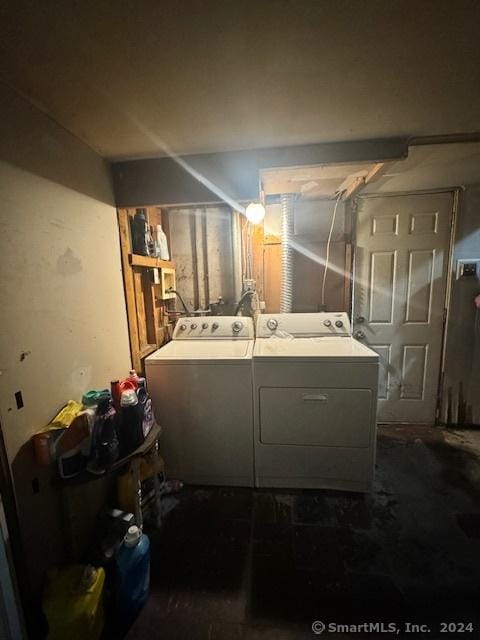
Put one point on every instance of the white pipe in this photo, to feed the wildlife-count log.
(286, 295)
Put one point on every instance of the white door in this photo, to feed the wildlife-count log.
(401, 261)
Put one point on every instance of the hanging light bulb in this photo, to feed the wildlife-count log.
(255, 212)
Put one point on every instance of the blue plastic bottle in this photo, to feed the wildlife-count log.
(133, 573)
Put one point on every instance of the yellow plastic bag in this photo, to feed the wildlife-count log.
(65, 416)
(73, 603)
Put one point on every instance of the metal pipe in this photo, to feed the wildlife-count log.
(286, 295)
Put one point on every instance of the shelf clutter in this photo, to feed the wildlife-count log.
(148, 278)
(111, 434)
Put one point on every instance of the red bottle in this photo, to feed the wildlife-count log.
(133, 377)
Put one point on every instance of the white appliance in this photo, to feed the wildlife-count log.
(201, 388)
(315, 399)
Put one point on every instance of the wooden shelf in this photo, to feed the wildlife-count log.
(151, 263)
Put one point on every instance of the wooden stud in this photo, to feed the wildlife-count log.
(149, 306)
(140, 304)
(257, 259)
(129, 285)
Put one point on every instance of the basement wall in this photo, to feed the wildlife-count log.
(461, 384)
(63, 320)
(203, 248)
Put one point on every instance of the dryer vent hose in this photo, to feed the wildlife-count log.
(286, 295)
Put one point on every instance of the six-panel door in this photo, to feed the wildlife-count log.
(401, 261)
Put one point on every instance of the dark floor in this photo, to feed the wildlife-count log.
(254, 564)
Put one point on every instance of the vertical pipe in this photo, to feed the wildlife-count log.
(205, 243)
(286, 295)
(236, 254)
(194, 250)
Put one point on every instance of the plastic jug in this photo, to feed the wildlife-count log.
(132, 573)
(162, 243)
(73, 603)
(140, 233)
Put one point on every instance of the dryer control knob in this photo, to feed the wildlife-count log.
(237, 327)
(272, 324)
(327, 323)
(204, 325)
(194, 325)
(183, 327)
(338, 323)
(215, 326)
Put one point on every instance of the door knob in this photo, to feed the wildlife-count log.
(360, 319)
(359, 335)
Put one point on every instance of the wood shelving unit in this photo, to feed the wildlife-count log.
(150, 263)
(148, 323)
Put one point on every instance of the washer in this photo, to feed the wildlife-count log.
(315, 399)
(201, 388)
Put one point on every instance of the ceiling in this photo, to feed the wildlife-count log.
(149, 77)
(323, 181)
(430, 167)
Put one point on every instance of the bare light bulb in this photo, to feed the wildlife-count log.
(255, 212)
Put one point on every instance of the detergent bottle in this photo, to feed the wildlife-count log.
(73, 603)
(132, 573)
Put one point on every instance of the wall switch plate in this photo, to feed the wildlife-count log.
(468, 268)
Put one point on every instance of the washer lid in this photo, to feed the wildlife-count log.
(327, 348)
(205, 350)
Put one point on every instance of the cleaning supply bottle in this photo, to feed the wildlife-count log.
(132, 573)
(162, 243)
(136, 379)
(140, 233)
(73, 603)
(130, 422)
(116, 393)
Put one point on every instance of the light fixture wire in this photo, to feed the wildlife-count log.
(327, 254)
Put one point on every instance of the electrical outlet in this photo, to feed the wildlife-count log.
(468, 268)
(249, 284)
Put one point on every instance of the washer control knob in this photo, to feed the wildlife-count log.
(272, 324)
(237, 327)
(205, 325)
(339, 324)
(183, 327)
(215, 326)
(327, 323)
(194, 325)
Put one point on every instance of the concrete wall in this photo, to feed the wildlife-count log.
(439, 167)
(63, 320)
(203, 250)
(461, 385)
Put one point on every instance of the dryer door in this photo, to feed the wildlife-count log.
(316, 416)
